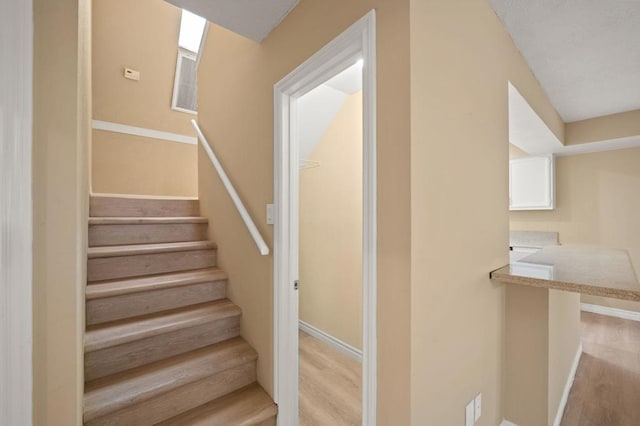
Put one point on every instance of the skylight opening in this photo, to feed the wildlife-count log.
(191, 31)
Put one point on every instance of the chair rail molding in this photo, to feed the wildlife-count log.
(141, 131)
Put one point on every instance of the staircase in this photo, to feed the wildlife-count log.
(162, 343)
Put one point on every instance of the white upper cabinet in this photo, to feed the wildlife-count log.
(532, 183)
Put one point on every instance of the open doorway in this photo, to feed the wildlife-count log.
(325, 234)
(330, 251)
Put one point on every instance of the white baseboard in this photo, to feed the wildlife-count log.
(507, 423)
(612, 312)
(334, 342)
(567, 387)
(141, 131)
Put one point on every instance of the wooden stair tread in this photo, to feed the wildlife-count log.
(247, 406)
(118, 287)
(131, 329)
(141, 220)
(112, 393)
(139, 249)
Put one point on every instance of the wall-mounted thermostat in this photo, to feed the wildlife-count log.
(131, 74)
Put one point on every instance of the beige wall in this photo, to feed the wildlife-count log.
(527, 326)
(603, 128)
(564, 343)
(236, 111)
(60, 191)
(127, 164)
(543, 338)
(142, 35)
(597, 203)
(436, 243)
(461, 61)
(331, 229)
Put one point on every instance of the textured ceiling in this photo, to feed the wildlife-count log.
(251, 18)
(585, 53)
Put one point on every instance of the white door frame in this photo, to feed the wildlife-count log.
(16, 117)
(358, 41)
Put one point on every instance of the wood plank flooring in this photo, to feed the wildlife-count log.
(606, 390)
(330, 385)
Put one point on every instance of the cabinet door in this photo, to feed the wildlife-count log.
(532, 183)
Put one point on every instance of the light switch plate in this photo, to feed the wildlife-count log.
(478, 407)
(468, 414)
(269, 214)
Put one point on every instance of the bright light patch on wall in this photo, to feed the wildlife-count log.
(191, 30)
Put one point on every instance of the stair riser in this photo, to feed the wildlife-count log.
(148, 302)
(134, 207)
(140, 352)
(183, 399)
(106, 268)
(111, 235)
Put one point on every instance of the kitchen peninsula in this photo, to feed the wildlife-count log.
(587, 270)
(543, 322)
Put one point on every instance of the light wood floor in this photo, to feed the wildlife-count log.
(606, 390)
(330, 385)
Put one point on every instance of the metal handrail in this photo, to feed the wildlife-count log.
(246, 218)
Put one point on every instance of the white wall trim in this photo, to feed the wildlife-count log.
(16, 213)
(357, 41)
(612, 312)
(507, 423)
(567, 387)
(332, 341)
(141, 131)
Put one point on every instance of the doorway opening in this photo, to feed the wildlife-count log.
(330, 251)
(299, 177)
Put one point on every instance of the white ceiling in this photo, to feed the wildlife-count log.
(585, 53)
(348, 81)
(251, 18)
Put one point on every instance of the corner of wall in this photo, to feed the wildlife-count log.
(62, 106)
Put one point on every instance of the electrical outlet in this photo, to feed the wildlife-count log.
(468, 413)
(478, 407)
(269, 214)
